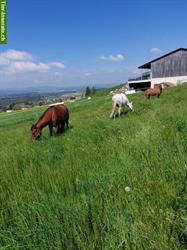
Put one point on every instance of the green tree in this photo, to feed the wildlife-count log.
(93, 90)
(88, 91)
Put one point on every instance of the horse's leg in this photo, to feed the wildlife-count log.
(111, 115)
(58, 128)
(114, 115)
(123, 109)
(119, 110)
(67, 123)
(113, 111)
(50, 129)
(62, 127)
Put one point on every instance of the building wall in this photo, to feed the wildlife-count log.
(174, 80)
(170, 66)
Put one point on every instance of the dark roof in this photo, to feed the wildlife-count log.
(148, 64)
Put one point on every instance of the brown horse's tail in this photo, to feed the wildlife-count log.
(146, 94)
(67, 118)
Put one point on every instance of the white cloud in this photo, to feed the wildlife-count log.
(57, 65)
(14, 61)
(57, 73)
(155, 50)
(36, 81)
(21, 67)
(114, 58)
(87, 74)
(14, 55)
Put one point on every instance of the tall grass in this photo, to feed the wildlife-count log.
(69, 191)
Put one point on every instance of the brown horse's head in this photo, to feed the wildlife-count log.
(36, 132)
(159, 86)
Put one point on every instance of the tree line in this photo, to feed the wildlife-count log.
(90, 91)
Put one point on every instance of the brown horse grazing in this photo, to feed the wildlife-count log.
(55, 116)
(156, 91)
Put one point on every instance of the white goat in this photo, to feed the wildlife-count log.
(120, 101)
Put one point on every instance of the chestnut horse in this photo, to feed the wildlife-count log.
(156, 91)
(55, 116)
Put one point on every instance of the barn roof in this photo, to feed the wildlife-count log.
(148, 64)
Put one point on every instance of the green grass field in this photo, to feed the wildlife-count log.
(68, 192)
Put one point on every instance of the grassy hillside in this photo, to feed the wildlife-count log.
(69, 192)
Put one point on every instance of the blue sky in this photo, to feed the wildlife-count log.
(79, 42)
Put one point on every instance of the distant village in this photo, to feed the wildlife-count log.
(29, 104)
(16, 104)
(9, 104)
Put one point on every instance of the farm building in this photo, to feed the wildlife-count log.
(169, 68)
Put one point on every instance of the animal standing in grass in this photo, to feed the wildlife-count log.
(55, 116)
(120, 101)
(156, 91)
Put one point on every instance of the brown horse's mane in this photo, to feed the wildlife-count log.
(41, 117)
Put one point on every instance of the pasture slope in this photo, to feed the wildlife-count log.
(69, 191)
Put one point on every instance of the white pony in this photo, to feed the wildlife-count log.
(120, 101)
